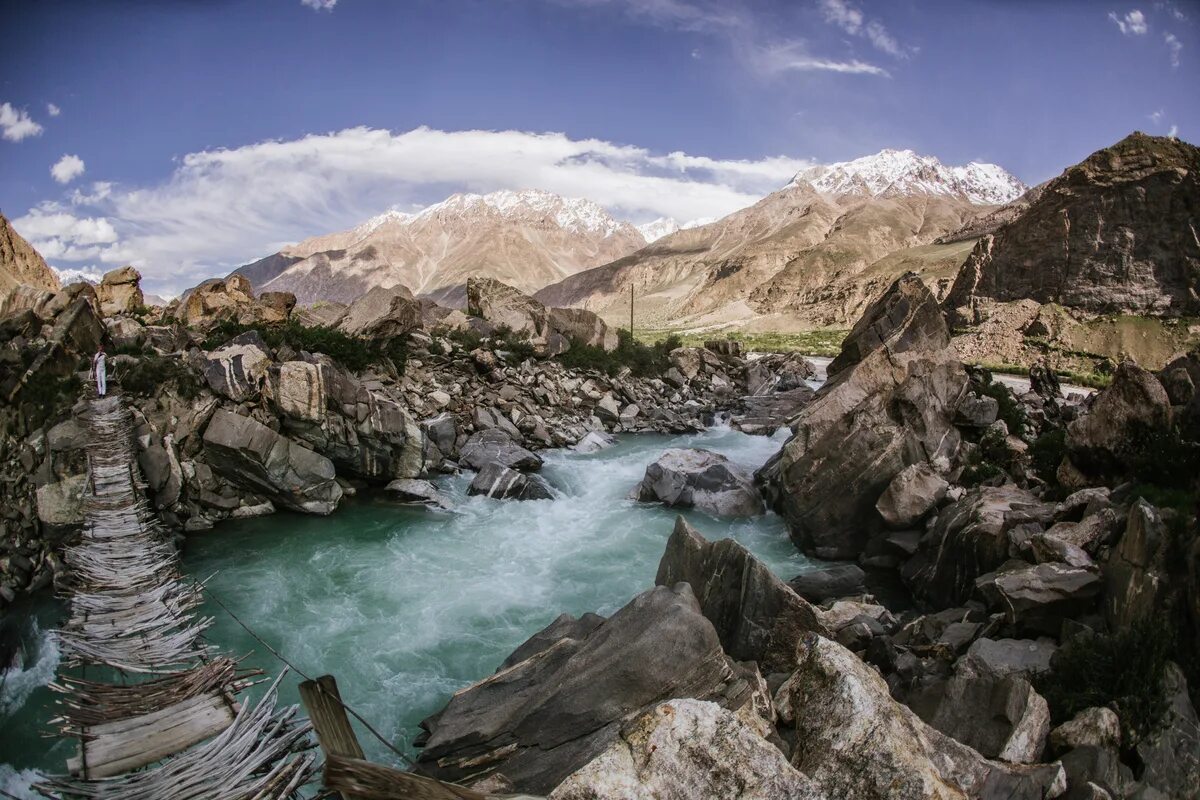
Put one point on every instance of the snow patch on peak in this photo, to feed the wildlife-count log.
(903, 172)
(657, 229)
(374, 223)
(68, 276)
(572, 213)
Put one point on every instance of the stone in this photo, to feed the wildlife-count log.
(251, 455)
(584, 326)
(608, 410)
(1095, 772)
(888, 403)
(506, 307)
(414, 490)
(977, 411)
(829, 581)
(382, 313)
(1091, 533)
(238, 369)
(1047, 548)
(496, 446)
(1039, 598)
(297, 389)
(215, 300)
(856, 741)
(60, 504)
(564, 626)
(773, 373)
(756, 615)
(914, 491)
(594, 442)
(1169, 753)
(499, 482)
(442, 432)
(274, 308)
(697, 478)
(1097, 442)
(120, 292)
(970, 539)
(543, 718)
(1136, 575)
(688, 749)
(1094, 727)
(1000, 657)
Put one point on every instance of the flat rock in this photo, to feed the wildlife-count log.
(829, 581)
(415, 490)
(696, 478)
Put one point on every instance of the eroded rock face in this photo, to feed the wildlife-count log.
(21, 265)
(970, 539)
(856, 741)
(672, 752)
(120, 291)
(888, 404)
(502, 305)
(549, 715)
(758, 616)
(1111, 234)
(382, 314)
(583, 325)
(697, 478)
(237, 369)
(252, 455)
(215, 300)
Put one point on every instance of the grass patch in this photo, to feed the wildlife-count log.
(1123, 671)
(810, 343)
(350, 351)
(643, 360)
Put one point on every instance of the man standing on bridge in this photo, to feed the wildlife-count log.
(100, 372)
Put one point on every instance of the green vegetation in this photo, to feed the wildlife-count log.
(513, 343)
(1093, 380)
(354, 353)
(1010, 410)
(1123, 671)
(993, 458)
(1045, 455)
(1162, 456)
(148, 374)
(44, 395)
(643, 360)
(811, 343)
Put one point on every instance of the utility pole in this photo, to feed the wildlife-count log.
(631, 311)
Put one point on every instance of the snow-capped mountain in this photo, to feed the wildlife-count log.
(657, 229)
(903, 172)
(525, 238)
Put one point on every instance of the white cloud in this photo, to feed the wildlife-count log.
(16, 123)
(1157, 116)
(1174, 46)
(319, 5)
(851, 20)
(53, 110)
(1132, 24)
(67, 168)
(1174, 132)
(791, 57)
(221, 208)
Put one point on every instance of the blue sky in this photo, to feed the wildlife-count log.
(193, 135)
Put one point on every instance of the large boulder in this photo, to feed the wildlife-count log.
(912, 493)
(688, 749)
(297, 390)
(1098, 442)
(584, 326)
(970, 539)
(499, 482)
(778, 372)
(889, 403)
(382, 314)
(60, 504)
(495, 446)
(506, 307)
(238, 369)
(543, 718)
(120, 291)
(855, 741)
(1038, 598)
(758, 616)
(251, 455)
(215, 300)
(1136, 575)
(1171, 753)
(697, 478)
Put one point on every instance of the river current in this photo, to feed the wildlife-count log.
(407, 605)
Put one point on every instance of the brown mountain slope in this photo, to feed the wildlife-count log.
(21, 264)
(1116, 233)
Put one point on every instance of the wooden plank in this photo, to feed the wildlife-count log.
(324, 705)
(369, 781)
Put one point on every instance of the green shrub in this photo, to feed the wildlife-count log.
(1046, 454)
(149, 374)
(515, 344)
(1162, 456)
(1010, 410)
(644, 361)
(45, 396)
(466, 338)
(1123, 671)
(354, 353)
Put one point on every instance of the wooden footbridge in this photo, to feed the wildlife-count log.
(159, 713)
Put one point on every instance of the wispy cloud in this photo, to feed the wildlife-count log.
(1174, 47)
(1156, 116)
(320, 5)
(852, 20)
(53, 110)
(67, 168)
(1132, 24)
(792, 58)
(1174, 132)
(16, 124)
(224, 207)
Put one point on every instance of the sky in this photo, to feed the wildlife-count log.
(190, 136)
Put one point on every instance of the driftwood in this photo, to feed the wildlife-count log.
(354, 777)
(175, 717)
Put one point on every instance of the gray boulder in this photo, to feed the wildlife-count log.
(1094, 727)
(696, 478)
(1136, 577)
(829, 581)
(382, 314)
(251, 455)
(499, 482)
(912, 493)
(594, 442)
(1171, 753)
(494, 446)
(1097, 442)
(238, 369)
(977, 411)
(758, 617)
(1038, 598)
(584, 326)
(543, 718)
(564, 626)
(414, 490)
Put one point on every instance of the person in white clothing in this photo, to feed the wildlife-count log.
(100, 372)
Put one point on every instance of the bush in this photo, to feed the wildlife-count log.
(1162, 456)
(1123, 671)
(44, 396)
(645, 361)
(149, 374)
(1046, 454)
(354, 353)
(1010, 410)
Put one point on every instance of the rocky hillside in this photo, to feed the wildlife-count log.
(1115, 233)
(527, 239)
(20, 264)
(797, 256)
